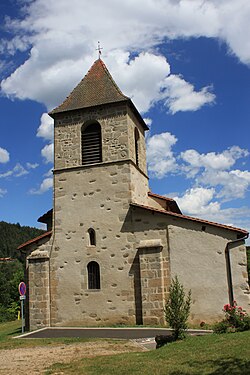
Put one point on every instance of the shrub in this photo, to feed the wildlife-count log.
(177, 308)
(236, 319)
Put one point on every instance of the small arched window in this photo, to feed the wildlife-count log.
(92, 237)
(137, 146)
(91, 144)
(93, 275)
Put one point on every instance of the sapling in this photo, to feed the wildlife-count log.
(177, 308)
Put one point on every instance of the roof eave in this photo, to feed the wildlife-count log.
(243, 232)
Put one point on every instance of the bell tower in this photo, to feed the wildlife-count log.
(99, 169)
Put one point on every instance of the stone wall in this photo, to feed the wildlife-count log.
(117, 136)
(39, 296)
(152, 276)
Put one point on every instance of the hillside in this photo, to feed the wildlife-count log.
(13, 235)
(11, 273)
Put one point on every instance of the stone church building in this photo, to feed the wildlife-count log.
(112, 246)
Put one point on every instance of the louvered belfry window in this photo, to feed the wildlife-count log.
(93, 275)
(137, 146)
(92, 144)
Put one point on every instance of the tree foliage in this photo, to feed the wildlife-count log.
(177, 308)
(13, 235)
(12, 273)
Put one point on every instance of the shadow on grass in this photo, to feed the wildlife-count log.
(218, 367)
(16, 331)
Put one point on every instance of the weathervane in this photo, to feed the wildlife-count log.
(99, 49)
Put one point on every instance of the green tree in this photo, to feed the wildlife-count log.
(177, 308)
(11, 274)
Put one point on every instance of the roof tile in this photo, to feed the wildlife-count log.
(96, 88)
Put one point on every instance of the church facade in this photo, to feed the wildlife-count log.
(112, 246)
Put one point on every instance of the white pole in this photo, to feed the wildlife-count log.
(22, 315)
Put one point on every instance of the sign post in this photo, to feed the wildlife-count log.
(22, 292)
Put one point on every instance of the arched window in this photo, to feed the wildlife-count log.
(92, 238)
(93, 275)
(137, 146)
(91, 144)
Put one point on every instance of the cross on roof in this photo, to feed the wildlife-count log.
(99, 48)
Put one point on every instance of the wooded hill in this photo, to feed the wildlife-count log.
(12, 272)
(13, 235)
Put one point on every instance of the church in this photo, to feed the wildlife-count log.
(112, 246)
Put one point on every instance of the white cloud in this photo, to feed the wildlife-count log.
(212, 160)
(2, 192)
(46, 127)
(148, 121)
(200, 202)
(4, 155)
(32, 165)
(49, 173)
(196, 201)
(46, 185)
(180, 95)
(160, 156)
(48, 153)
(214, 170)
(234, 183)
(140, 77)
(17, 171)
(47, 28)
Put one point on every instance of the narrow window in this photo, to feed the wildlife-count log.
(136, 146)
(92, 238)
(93, 275)
(91, 144)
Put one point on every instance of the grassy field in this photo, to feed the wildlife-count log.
(211, 354)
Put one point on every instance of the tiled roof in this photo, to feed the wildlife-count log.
(7, 260)
(96, 88)
(171, 203)
(45, 217)
(242, 231)
(36, 239)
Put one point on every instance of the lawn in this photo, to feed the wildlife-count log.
(211, 354)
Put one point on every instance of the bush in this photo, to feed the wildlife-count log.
(177, 308)
(236, 320)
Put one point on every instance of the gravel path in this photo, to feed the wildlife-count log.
(35, 360)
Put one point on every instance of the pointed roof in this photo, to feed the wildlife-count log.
(96, 88)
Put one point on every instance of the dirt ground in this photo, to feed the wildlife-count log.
(36, 360)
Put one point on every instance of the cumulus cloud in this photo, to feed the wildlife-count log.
(46, 185)
(213, 160)
(180, 95)
(48, 153)
(4, 155)
(46, 28)
(46, 127)
(201, 202)
(161, 160)
(197, 201)
(214, 170)
(234, 183)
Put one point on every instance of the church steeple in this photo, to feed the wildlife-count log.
(96, 88)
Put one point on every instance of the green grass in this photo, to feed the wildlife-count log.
(210, 354)
(9, 330)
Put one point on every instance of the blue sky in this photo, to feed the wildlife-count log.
(186, 66)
